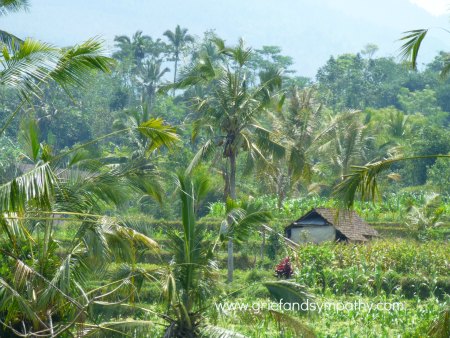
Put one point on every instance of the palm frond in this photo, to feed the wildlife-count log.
(202, 72)
(11, 6)
(10, 41)
(364, 179)
(266, 143)
(37, 185)
(29, 66)
(286, 321)
(76, 64)
(245, 217)
(410, 49)
(15, 304)
(159, 134)
(203, 154)
(441, 327)
(288, 292)
(29, 138)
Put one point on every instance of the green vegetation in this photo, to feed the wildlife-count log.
(134, 204)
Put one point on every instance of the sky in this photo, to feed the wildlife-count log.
(434, 7)
(310, 31)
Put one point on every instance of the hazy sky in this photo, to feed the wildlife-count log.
(434, 7)
(309, 31)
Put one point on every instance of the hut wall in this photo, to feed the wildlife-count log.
(315, 234)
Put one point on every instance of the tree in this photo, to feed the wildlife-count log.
(44, 292)
(178, 39)
(364, 179)
(135, 48)
(229, 113)
(149, 78)
(369, 50)
(190, 281)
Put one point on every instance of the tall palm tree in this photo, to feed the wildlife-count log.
(348, 145)
(135, 47)
(228, 113)
(178, 39)
(306, 134)
(150, 78)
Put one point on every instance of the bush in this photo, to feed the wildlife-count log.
(442, 288)
(256, 276)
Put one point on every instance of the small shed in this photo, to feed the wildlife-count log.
(325, 224)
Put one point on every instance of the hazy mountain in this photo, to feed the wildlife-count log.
(309, 31)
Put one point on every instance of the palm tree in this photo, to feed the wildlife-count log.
(347, 146)
(179, 38)
(44, 293)
(150, 77)
(306, 134)
(228, 112)
(190, 282)
(135, 47)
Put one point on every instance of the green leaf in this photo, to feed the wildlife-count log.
(29, 137)
(159, 134)
(36, 185)
(410, 49)
(288, 292)
(75, 65)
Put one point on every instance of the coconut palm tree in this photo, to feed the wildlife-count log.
(190, 283)
(150, 78)
(135, 47)
(228, 112)
(178, 39)
(305, 132)
(44, 293)
(348, 145)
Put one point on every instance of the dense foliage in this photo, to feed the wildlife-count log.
(94, 241)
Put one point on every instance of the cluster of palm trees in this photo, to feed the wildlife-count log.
(43, 290)
(43, 282)
(144, 58)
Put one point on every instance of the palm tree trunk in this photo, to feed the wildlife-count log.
(233, 175)
(175, 72)
(263, 243)
(232, 187)
(230, 260)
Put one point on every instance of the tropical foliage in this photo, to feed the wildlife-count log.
(129, 195)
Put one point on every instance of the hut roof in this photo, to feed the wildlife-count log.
(347, 222)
